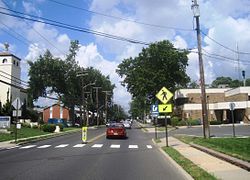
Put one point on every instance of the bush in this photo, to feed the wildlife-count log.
(215, 122)
(174, 121)
(193, 122)
(27, 125)
(61, 126)
(35, 126)
(49, 127)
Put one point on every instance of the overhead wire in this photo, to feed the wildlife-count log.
(120, 18)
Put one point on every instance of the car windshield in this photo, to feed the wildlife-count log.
(116, 125)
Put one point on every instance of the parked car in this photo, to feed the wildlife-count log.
(116, 130)
(109, 123)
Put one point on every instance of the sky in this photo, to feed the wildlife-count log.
(225, 27)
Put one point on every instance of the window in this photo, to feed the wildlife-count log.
(4, 60)
(14, 62)
(17, 63)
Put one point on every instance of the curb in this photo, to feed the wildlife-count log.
(240, 163)
(175, 164)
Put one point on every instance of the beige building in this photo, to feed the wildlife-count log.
(10, 78)
(188, 104)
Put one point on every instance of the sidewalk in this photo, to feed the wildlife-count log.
(219, 168)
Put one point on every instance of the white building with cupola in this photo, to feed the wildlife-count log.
(10, 77)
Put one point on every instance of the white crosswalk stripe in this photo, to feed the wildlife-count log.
(27, 147)
(43, 146)
(79, 145)
(62, 146)
(97, 145)
(149, 147)
(133, 146)
(115, 146)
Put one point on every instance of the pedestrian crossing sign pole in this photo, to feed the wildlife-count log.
(164, 95)
(84, 134)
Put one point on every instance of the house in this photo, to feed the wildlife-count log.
(55, 111)
(10, 78)
(188, 104)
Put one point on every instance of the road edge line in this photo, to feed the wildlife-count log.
(95, 138)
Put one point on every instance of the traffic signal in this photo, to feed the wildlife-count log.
(243, 74)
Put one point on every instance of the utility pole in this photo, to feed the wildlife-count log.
(196, 11)
(97, 104)
(106, 104)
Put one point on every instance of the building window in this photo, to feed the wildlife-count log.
(14, 62)
(4, 60)
(17, 63)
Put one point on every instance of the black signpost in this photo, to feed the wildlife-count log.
(232, 106)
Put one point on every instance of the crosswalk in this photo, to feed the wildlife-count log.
(94, 146)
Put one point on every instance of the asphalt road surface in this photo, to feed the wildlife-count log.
(67, 158)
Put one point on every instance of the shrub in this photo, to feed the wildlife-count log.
(193, 122)
(182, 123)
(61, 126)
(35, 126)
(215, 122)
(174, 121)
(49, 127)
(27, 125)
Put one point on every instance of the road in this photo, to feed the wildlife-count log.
(66, 158)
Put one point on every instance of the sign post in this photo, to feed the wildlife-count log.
(84, 134)
(164, 95)
(155, 113)
(17, 105)
(232, 106)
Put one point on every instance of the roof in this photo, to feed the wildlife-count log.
(9, 54)
(55, 105)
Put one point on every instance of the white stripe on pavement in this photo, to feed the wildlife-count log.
(27, 147)
(97, 145)
(62, 145)
(149, 147)
(44, 146)
(133, 146)
(115, 146)
(79, 145)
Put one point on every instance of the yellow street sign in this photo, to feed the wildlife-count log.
(165, 108)
(164, 95)
(84, 134)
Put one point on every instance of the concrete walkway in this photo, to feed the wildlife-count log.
(219, 168)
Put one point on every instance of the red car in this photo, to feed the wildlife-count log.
(116, 130)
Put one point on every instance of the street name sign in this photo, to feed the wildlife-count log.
(165, 108)
(164, 95)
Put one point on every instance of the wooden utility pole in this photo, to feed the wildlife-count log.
(106, 104)
(97, 104)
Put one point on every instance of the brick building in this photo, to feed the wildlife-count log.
(55, 111)
(188, 104)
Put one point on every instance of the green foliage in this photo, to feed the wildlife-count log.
(193, 122)
(35, 126)
(226, 81)
(137, 107)
(156, 66)
(61, 126)
(174, 121)
(182, 123)
(49, 128)
(27, 125)
(215, 122)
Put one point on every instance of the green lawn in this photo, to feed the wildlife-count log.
(195, 171)
(25, 132)
(237, 147)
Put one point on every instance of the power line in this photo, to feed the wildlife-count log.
(223, 59)
(15, 77)
(67, 26)
(120, 18)
(230, 49)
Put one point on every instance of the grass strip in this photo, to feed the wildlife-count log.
(236, 147)
(195, 171)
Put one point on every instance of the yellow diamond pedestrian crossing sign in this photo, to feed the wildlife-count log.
(164, 95)
(165, 108)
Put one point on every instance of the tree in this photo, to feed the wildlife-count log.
(156, 66)
(193, 84)
(226, 81)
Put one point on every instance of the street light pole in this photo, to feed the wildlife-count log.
(195, 8)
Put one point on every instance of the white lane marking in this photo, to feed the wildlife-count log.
(79, 145)
(44, 146)
(13, 147)
(149, 147)
(133, 146)
(62, 145)
(27, 147)
(97, 146)
(115, 146)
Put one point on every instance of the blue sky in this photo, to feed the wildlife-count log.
(225, 21)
